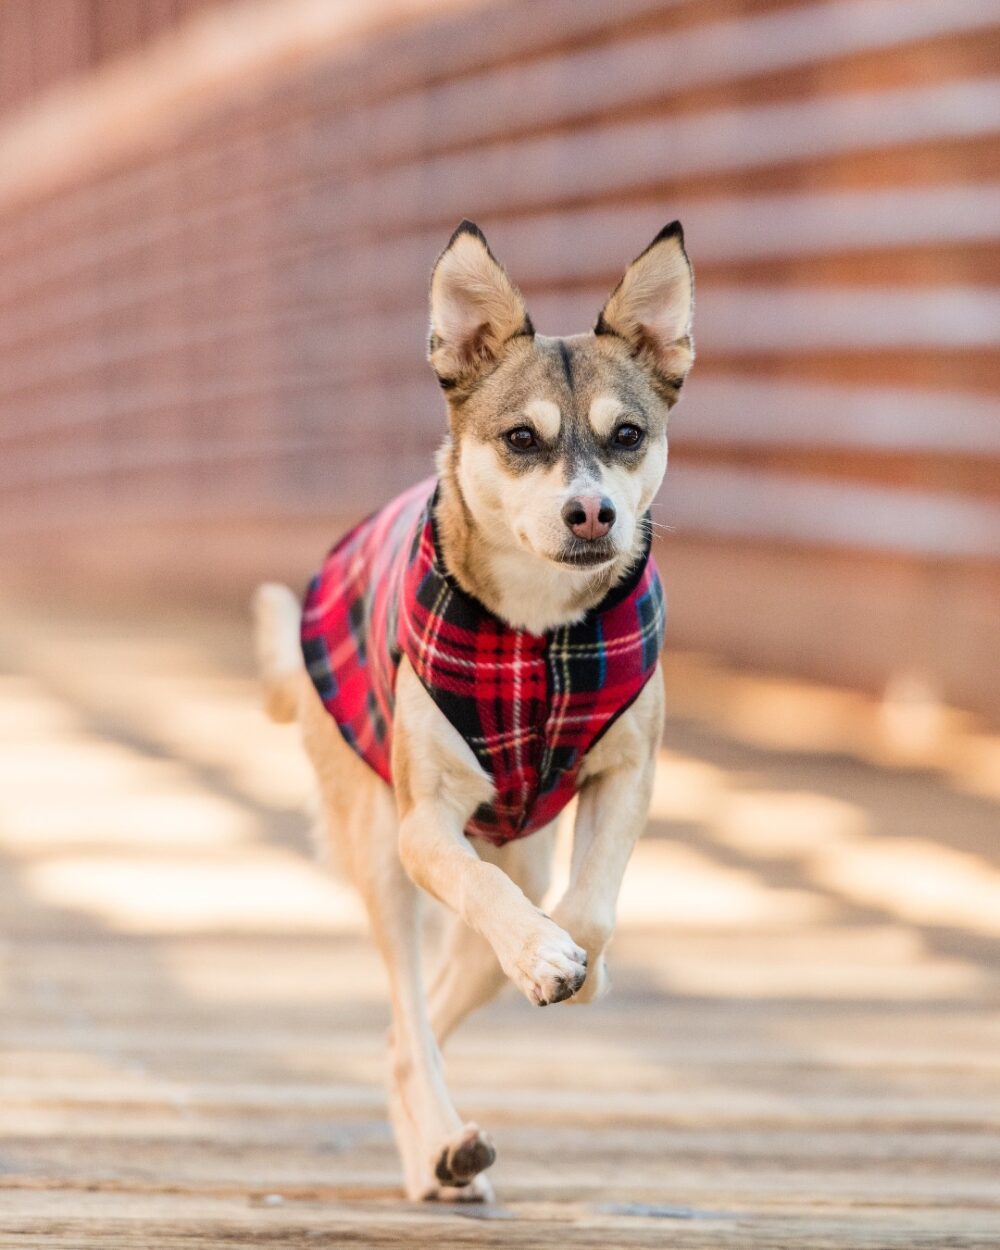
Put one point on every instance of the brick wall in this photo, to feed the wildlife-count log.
(213, 295)
(45, 42)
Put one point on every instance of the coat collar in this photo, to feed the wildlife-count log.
(439, 570)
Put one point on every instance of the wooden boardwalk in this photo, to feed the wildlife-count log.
(802, 1047)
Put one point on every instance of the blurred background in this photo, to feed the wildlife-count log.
(217, 222)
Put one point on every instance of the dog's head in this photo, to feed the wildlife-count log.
(558, 445)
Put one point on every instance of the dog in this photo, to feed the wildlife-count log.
(483, 649)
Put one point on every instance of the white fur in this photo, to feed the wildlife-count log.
(545, 416)
(520, 520)
(632, 490)
(604, 414)
(521, 524)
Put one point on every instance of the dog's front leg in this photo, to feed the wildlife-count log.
(439, 785)
(612, 811)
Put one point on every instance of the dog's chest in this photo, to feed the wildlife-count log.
(529, 706)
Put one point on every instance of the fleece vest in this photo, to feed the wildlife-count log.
(529, 706)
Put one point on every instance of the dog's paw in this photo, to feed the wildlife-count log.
(479, 1189)
(597, 984)
(462, 1159)
(593, 932)
(549, 967)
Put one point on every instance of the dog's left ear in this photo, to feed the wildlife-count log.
(475, 309)
(651, 309)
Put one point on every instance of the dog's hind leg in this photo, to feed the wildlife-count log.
(468, 974)
(442, 1157)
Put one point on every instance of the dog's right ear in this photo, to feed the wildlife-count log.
(475, 309)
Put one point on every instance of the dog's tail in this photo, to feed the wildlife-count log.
(279, 659)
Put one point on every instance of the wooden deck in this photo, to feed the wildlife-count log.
(802, 1047)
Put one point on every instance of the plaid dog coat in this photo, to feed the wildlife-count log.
(529, 706)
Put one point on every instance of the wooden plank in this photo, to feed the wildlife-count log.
(205, 1089)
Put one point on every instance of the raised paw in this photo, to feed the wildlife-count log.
(597, 983)
(549, 967)
(593, 932)
(464, 1157)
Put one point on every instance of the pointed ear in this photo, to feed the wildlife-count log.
(651, 309)
(475, 309)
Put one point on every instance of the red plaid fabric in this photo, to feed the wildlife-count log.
(529, 706)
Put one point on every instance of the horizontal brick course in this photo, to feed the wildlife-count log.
(221, 323)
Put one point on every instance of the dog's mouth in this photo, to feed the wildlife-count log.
(587, 555)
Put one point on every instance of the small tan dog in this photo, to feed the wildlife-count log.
(537, 533)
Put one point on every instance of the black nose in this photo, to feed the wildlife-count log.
(589, 517)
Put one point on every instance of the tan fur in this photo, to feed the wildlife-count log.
(474, 307)
(652, 306)
(504, 540)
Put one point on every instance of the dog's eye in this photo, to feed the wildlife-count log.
(628, 436)
(522, 439)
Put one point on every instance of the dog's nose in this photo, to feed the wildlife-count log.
(588, 516)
